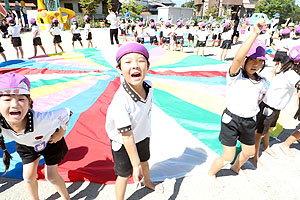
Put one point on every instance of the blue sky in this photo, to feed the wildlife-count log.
(179, 2)
(298, 2)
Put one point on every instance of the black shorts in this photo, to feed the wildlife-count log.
(179, 40)
(123, 31)
(16, 41)
(57, 39)
(76, 36)
(140, 40)
(53, 153)
(266, 118)
(235, 128)
(214, 36)
(153, 39)
(89, 37)
(122, 164)
(1, 48)
(281, 56)
(201, 43)
(166, 40)
(37, 41)
(226, 44)
(190, 37)
(132, 27)
(160, 34)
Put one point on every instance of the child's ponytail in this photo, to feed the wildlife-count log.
(6, 156)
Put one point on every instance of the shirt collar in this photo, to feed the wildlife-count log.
(29, 123)
(132, 93)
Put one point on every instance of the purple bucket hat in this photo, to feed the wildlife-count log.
(264, 28)
(132, 47)
(297, 30)
(152, 24)
(179, 23)
(257, 50)
(74, 19)
(227, 24)
(203, 24)
(12, 83)
(10, 19)
(86, 17)
(140, 24)
(32, 21)
(168, 24)
(294, 54)
(55, 20)
(286, 31)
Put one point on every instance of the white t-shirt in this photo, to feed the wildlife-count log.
(263, 38)
(192, 30)
(128, 112)
(87, 28)
(281, 89)
(113, 21)
(217, 30)
(74, 29)
(151, 32)
(55, 30)
(179, 31)
(35, 29)
(227, 35)
(39, 128)
(140, 32)
(14, 31)
(293, 43)
(243, 94)
(202, 34)
(166, 32)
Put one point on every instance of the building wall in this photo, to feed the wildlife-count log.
(76, 9)
(176, 12)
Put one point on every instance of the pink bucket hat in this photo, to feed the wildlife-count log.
(203, 24)
(12, 83)
(152, 25)
(294, 54)
(55, 20)
(74, 19)
(297, 30)
(286, 31)
(132, 47)
(257, 50)
(32, 21)
(168, 24)
(140, 24)
(10, 20)
(86, 18)
(227, 24)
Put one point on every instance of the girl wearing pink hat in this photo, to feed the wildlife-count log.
(35, 30)
(178, 32)
(36, 133)
(88, 31)
(139, 32)
(226, 40)
(166, 35)
(55, 32)
(14, 34)
(75, 30)
(245, 90)
(202, 35)
(151, 32)
(279, 94)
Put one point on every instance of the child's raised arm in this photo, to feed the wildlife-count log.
(243, 50)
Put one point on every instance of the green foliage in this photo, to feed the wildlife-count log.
(89, 6)
(134, 8)
(189, 4)
(286, 9)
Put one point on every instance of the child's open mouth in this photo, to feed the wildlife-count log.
(136, 75)
(17, 113)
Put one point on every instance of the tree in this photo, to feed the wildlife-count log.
(286, 9)
(189, 4)
(134, 8)
(89, 6)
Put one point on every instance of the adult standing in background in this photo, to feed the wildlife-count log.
(114, 25)
(18, 11)
(236, 21)
(127, 14)
(274, 25)
(24, 13)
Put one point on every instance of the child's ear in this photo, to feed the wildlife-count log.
(148, 67)
(119, 70)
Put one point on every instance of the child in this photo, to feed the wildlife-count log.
(76, 32)
(245, 89)
(281, 90)
(128, 118)
(88, 31)
(179, 36)
(217, 32)
(140, 33)
(281, 55)
(1, 52)
(55, 32)
(35, 29)
(35, 133)
(202, 36)
(152, 34)
(166, 35)
(14, 34)
(123, 29)
(226, 40)
(191, 33)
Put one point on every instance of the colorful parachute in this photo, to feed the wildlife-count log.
(188, 103)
